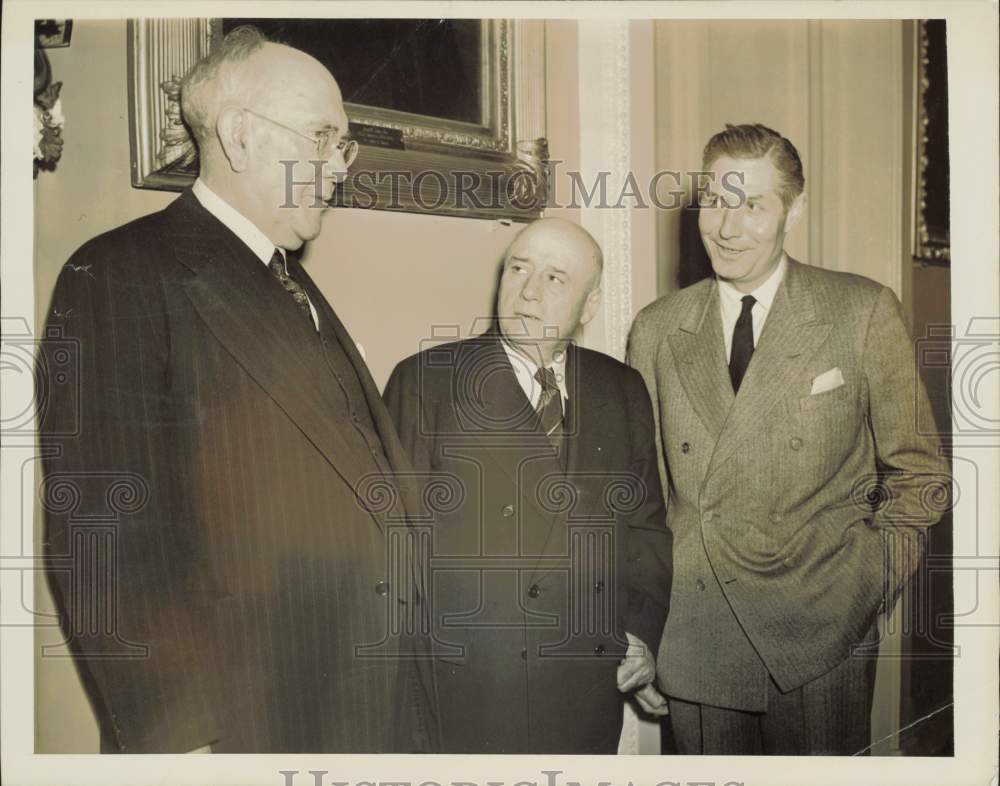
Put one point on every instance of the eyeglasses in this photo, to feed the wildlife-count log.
(324, 140)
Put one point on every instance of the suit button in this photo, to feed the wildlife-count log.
(507, 511)
(775, 518)
(795, 443)
(524, 654)
(789, 563)
(599, 649)
(382, 588)
(534, 591)
(599, 586)
(707, 518)
(700, 585)
(685, 447)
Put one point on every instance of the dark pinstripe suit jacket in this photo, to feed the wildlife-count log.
(540, 563)
(248, 584)
(778, 547)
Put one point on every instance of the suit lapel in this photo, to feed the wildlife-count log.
(699, 352)
(581, 408)
(235, 297)
(791, 334)
(586, 398)
(391, 445)
(490, 398)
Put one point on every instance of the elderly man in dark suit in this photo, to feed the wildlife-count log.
(220, 392)
(552, 559)
(786, 396)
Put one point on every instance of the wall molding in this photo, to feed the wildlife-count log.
(605, 147)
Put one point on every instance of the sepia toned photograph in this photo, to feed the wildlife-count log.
(454, 387)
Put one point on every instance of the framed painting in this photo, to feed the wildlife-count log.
(449, 114)
(931, 223)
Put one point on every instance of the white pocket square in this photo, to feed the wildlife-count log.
(828, 380)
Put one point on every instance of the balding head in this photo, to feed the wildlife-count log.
(573, 241)
(218, 79)
(257, 110)
(550, 287)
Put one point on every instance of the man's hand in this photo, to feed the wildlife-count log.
(652, 701)
(638, 667)
(636, 673)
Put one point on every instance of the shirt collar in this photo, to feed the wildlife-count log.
(235, 221)
(764, 294)
(525, 369)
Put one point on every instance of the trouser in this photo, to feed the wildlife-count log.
(831, 715)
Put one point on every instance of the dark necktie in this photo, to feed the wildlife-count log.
(280, 272)
(742, 349)
(550, 411)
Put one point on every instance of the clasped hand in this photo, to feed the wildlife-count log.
(636, 673)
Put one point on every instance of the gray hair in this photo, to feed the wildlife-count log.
(216, 78)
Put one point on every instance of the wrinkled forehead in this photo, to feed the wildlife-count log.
(545, 246)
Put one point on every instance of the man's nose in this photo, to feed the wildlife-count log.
(730, 226)
(335, 166)
(532, 289)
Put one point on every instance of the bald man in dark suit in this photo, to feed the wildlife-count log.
(236, 593)
(553, 565)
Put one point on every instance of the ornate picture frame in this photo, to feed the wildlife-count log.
(931, 231)
(407, 162)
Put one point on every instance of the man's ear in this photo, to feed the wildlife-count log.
(795, 211)
(590, 306)
(234, 137)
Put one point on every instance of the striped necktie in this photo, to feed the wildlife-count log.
(550, 410)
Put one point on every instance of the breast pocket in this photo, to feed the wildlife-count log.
(821, 431)
(828, 398)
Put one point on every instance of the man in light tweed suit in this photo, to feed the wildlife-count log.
(786, 400)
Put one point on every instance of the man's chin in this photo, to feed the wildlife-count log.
(310, 232)
(727, 270)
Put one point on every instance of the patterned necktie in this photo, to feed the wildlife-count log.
(550, 411)
(280, 272)
(742, 350)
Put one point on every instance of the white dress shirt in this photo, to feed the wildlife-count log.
(525, 370)
(731, 304)
(243, 228)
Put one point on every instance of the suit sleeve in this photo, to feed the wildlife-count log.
(640, 356)
(650, 541)
(405, 404)
(117, 557)
(915, 477)
(423, 735)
